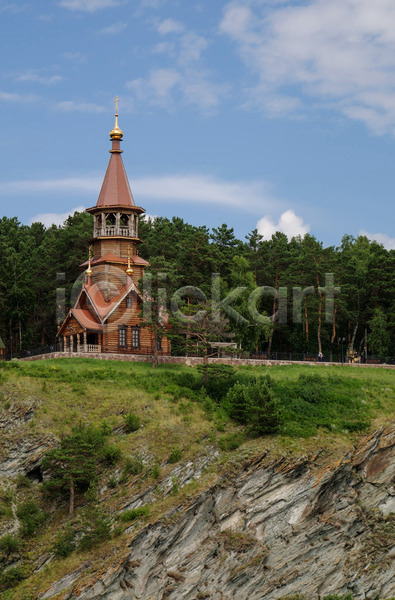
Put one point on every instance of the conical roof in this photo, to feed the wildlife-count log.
(115, 190)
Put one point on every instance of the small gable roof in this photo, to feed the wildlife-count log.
(105, 307)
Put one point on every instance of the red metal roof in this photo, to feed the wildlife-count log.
(110, 257)
(86, 319)
(100, 303)
(115, 190)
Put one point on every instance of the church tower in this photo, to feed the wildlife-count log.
(107, 314)
(116, 220)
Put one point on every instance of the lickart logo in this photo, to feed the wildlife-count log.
(217, 306)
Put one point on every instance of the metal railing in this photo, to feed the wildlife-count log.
(335, 358)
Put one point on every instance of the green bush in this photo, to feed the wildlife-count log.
(155, 471)
(112, 454)
(30, 517)
(256, 405)
(337, 597)
(133, 466)
(105, 428)
(96, 528)
(313, 388)
(9, 544)
(65, 542)
(231, 441)
(112, 483)
(217, 380)
(135, 513)
(175, 455)
(11, 577)
(132, 422)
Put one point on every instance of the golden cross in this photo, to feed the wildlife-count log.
(116, 104)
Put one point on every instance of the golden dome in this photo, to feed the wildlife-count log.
(116, 133)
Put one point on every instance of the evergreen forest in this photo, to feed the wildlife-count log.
(36, 261)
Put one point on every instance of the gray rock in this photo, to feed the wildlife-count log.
(273, 530)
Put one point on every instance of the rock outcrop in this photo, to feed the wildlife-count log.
(265, 531)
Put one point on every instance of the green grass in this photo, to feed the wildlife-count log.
(336, 398)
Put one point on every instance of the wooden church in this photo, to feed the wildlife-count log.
(106, 317)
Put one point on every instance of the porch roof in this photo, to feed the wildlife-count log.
(86, 319)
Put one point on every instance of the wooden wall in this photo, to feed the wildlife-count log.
(129, 317)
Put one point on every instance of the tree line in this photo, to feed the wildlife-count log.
(363, 316)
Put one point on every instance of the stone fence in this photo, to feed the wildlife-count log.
(193, 361)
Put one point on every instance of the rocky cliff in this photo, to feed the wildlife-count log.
(269, 528)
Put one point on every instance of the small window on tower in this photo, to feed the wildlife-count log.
(124, 220)
(110, 220)
(129, 301)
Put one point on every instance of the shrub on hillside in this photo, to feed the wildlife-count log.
(9, 544)
(313, 388)
(175, 455)
(255, 405)
(217, 380)
(132, 422)
(96, 528)
(112, 454)
(133, 465)
(31, 518)
(134, 513)
(11, 577)
(65, 542)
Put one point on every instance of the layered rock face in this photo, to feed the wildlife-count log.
(271, 530)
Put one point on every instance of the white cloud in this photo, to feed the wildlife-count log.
(170, 26)
(288, 223)
(10, 97)
(341, 53)
(72, 106)
(13, 8)
(113, 29)
(163, 87)
(49, 219)
(196, 189)
(79, 185)
(156, 88)
(381, 238)
(88, 5)
(164, 48)
(77, 57)
(203, 189)
(36, 78)
(191, 47)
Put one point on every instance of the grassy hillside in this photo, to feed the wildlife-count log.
(156, 421)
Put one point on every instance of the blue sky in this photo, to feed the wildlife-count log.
(271, 113)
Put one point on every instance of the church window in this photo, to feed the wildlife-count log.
(124, 220)
(136, 336)
(129, 301)
(122, 336)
